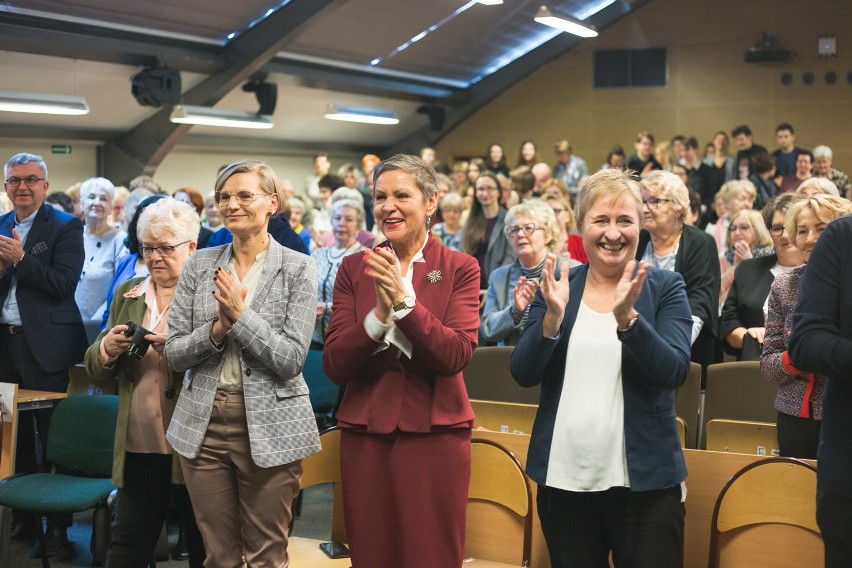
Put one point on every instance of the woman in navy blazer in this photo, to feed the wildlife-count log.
(604, 449)
(403, 327)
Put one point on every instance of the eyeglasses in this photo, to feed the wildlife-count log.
(740, 228)
(164, 250)
(654, 202)
(776, 230)
(31, 181)
(528, 229)
(242, 197)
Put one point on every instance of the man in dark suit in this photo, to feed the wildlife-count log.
(41, 333)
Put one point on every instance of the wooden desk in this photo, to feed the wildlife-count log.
(21, 401)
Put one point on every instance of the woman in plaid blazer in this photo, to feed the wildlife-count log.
(240, 327)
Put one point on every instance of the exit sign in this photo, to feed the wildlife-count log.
(60, 149)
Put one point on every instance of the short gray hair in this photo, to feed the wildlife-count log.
(98, 184)
(424, 174)
(668, 186)
(352, 204)
(543, 215)
(823, 152)
(169, 217)
(25, 158)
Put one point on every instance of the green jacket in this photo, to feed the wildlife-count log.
(122, 310)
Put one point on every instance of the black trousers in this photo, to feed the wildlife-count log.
(798, 437)
(835, 523)
(141, 509)
(641, 529)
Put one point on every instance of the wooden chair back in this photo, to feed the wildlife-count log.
(742, 437)
(780, 491)
(682, 431)
(511, 417)
(497, 478)
(324, 467)
(738, 391)
(687, 403)
(488, 377)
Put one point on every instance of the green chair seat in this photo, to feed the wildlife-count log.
(53, 493)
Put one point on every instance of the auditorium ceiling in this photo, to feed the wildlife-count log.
(410, 57)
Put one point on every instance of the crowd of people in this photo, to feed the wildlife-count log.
(397, 270)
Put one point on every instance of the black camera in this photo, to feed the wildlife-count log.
(139, 345)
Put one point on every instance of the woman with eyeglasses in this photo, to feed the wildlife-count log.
(532, 230)
(669, 242)
(762, 255)
(483, 231)
(145, 470)
(240, 327)
(799, 397)
(104, 248)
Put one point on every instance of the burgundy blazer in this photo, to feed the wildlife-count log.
(387, 391)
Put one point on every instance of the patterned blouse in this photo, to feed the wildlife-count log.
(798, 394)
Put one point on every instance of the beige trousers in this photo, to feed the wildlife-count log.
(243, 511)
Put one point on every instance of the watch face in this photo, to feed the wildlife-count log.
(408, 301)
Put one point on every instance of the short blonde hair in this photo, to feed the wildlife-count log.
(566, 205)
(168, 217)
(668, 186)
(543, 216)
(558, 184)
(610, 184)
(266, 175)
(732, 189)
(755, 219)
(826, 208)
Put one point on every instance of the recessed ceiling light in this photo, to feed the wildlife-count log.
(361, 114)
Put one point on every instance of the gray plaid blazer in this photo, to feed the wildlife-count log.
(274, 333)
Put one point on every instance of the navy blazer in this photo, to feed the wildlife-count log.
(654, 363)
(47, 277)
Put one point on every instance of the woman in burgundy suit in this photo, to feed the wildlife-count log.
(404, 326)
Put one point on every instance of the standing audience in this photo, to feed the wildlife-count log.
(41, 333)
(821, 342)
(403, 328)
(483, 230)
(532, 230)
(800, 395)
(145, 470)
(347, 215)
(104, 248)
(605, 453)
(742, 323)
(240, 324)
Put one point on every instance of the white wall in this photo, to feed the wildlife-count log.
(63, 170)
(198, 169)
(181, 168)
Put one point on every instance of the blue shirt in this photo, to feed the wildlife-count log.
(11, 315)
